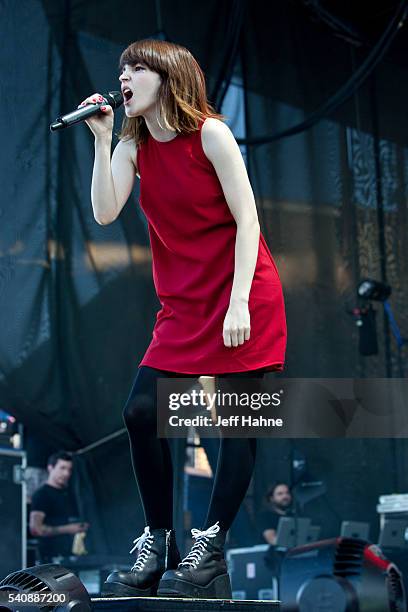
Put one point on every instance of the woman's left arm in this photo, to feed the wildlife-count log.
(221, 148)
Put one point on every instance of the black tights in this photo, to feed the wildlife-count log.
(152, 462)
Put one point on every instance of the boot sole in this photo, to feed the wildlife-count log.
(218, 588)
(118, 589)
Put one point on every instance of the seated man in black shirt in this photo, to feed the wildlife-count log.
(279, 501)
(54, 514)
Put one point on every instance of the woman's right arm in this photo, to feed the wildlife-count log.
(112, 179)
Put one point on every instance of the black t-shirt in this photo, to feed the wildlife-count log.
(269, 519)
(60, 508)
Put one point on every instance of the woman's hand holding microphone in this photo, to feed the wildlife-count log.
(101, 125)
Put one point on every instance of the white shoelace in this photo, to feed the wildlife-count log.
(143, 544)
(198, 548)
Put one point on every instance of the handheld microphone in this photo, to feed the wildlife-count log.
(113, 98)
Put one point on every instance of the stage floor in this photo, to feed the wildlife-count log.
(175, 604)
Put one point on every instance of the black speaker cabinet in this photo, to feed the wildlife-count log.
(13, 511)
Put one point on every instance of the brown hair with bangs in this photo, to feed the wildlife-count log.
(182, 94)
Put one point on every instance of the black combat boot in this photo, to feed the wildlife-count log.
(203, 572)
(157, 552)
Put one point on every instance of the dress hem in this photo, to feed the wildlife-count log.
(276, 366)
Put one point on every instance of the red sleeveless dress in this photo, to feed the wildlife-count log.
(192, 236)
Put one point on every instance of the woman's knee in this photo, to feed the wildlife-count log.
(139, 413)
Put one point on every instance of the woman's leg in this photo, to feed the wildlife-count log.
(151, 458)
(231, 484)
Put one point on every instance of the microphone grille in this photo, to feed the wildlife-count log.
(115, 98)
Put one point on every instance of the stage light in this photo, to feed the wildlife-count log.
(44, 587)
(340, 575)
(370, 289)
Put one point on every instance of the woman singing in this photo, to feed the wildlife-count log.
(222, 304)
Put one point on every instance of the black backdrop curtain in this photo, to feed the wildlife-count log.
(320, 197)
(77, 299)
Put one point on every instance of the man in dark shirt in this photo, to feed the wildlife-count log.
(279, 500)
(54, 513)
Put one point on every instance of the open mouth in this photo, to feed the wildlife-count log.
(127, 94)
